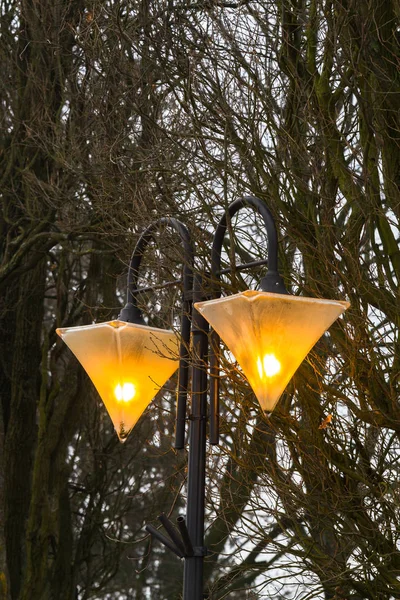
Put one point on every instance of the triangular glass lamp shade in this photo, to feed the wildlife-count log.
(128, 364)
(270, 334)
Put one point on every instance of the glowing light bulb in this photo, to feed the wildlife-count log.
(125, 392)
(269, 366)
(272, 366)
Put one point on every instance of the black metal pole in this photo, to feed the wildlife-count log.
(193, 571)
(190, 544)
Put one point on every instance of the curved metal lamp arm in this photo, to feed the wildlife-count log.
(132, 314)
(271, 282)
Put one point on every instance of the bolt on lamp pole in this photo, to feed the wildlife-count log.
(125, 357)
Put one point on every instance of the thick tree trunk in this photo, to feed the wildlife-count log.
(21, 429)
(4, 589)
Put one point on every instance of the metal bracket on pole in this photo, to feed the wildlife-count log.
(164, 540)
(189, 551)
(172, 532)
(178, 542)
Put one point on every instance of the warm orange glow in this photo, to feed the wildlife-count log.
(269, 366)
(270, 334)
(125, 392)
(127, 363)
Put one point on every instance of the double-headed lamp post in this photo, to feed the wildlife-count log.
(268, 331)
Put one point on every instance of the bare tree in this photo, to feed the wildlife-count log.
(298, 102)
(80, 174)
(114, 113)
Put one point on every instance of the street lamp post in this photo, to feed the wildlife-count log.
(122, 357)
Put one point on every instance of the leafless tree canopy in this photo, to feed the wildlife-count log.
(113, 114)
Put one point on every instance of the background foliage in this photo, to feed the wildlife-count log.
(114, 113)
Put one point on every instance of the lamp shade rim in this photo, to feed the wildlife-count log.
(115, 324)
(252, 295)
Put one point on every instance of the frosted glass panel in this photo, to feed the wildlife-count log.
(127, 363)
(270, 334)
